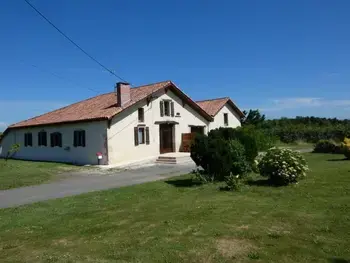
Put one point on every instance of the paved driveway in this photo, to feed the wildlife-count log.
(88, 182)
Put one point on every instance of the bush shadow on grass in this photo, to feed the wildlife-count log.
(338, 160)
(339, 260)
(189, 182)
(262, 182)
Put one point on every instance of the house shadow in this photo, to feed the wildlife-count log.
(338, 260)
(188, 182)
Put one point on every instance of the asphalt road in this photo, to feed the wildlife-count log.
(89, 181)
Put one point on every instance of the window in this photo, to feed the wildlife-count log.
(141, 135)
(226, 119)
(167, 108)
(56, 139)
(42, 138)
(141, 114)
(79, 138)
(28, 139)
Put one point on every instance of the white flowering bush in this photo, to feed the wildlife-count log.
(282, 166)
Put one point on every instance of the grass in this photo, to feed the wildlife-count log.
(17, 173)
(300, 145)
(180, 221)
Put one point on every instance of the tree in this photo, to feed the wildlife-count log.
(253, 117)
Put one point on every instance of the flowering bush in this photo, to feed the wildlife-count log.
(282, 166)
(345, 146)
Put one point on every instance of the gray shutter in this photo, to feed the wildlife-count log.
(44, 140)
(161, 105)
(31, 139)
(25, 139)
(83, 135)
(39, 139)
(51, 139)
(147, 135)
(75, 140)
(172, 109)
(136, 136)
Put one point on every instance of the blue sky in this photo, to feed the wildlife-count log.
(286, 58)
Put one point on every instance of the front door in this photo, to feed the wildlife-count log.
(166, 134)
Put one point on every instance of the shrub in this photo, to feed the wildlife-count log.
(12, 151)
(345, 147)
(282, 166)
(219, 157)
(325, 146)
(233, 182)
(240, 165)
(248, 136)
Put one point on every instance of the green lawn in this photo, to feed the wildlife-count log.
(176, 221)
(296, 145)
(16, 173)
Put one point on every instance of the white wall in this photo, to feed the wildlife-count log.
(121, 147)
(233, 118)
(95, 133)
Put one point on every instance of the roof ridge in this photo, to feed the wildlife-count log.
(155, 83)
(213, 99)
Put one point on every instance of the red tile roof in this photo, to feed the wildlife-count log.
(102, 107)
(213, 106)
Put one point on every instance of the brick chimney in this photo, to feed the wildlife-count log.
(122, 90)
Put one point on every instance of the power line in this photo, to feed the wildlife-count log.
(75, 44)
(60, 77)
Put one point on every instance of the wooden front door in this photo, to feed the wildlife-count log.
(166, 134)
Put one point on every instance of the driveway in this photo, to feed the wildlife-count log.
(89, 181)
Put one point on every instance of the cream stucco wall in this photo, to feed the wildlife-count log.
(233, 118)
(121, 147)
(95, 133)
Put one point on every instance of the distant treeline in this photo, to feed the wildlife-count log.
(308, 129)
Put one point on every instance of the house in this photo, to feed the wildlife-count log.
(124, 126)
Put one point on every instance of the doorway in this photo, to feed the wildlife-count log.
(166, 138)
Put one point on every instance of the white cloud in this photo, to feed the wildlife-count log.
(297, 103)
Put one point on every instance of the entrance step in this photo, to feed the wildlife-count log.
(166, 160)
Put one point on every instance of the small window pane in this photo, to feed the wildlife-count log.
(167, 108)
(141, 135)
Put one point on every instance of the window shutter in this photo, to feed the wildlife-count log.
(25, 140)
(75, 138)
(52, 139)
(30, 139)
(172, 109)
(39, 139)
(136, 137)
(161, 108)
(83, 138)
(44, 139)
(59, 139)
(147, 135)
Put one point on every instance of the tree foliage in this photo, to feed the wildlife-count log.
(253, 117)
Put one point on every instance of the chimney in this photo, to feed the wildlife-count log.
(122, 90)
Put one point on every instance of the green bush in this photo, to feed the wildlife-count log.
(252, 139)
(233, 182)
(240, 165)
(325, 146)
(282, 166)
(218, 157)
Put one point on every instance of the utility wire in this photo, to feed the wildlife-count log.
(59, 77)
(75, 44)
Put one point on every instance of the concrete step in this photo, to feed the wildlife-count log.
(166, 160)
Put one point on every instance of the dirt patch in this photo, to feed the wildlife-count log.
(243, 227)
(233, 247)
